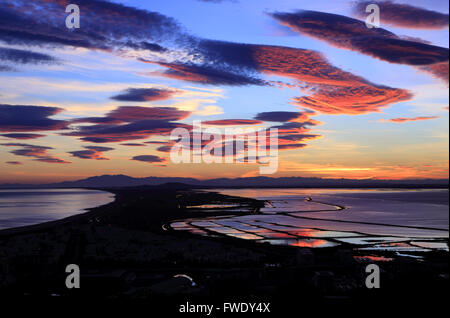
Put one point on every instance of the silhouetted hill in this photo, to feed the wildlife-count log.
(108, 181)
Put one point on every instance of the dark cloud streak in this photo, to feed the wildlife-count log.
(92, 152)
(144, 95)
(25, 57)
(352, 34)
(22, 136)
(149, 159)
(40, 153)
(25, 118)
(128, 123)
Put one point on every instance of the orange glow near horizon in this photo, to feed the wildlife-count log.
(309, 243)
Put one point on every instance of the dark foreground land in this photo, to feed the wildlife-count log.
(127, 254)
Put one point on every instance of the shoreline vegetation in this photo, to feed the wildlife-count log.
(125, 252)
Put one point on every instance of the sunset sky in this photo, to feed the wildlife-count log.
(348, 101)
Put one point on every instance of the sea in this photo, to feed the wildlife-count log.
(21, 207)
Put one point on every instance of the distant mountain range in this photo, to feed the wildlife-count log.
(109, 181)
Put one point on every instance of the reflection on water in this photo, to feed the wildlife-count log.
(383, 219)
(312, 243)
(432, 245)
(372, 258)
(213, 206)
(27, 207)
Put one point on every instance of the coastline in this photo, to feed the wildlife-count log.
(126, 236)
(27, 229)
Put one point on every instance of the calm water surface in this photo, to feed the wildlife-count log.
(27, 207)
(387, 219)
